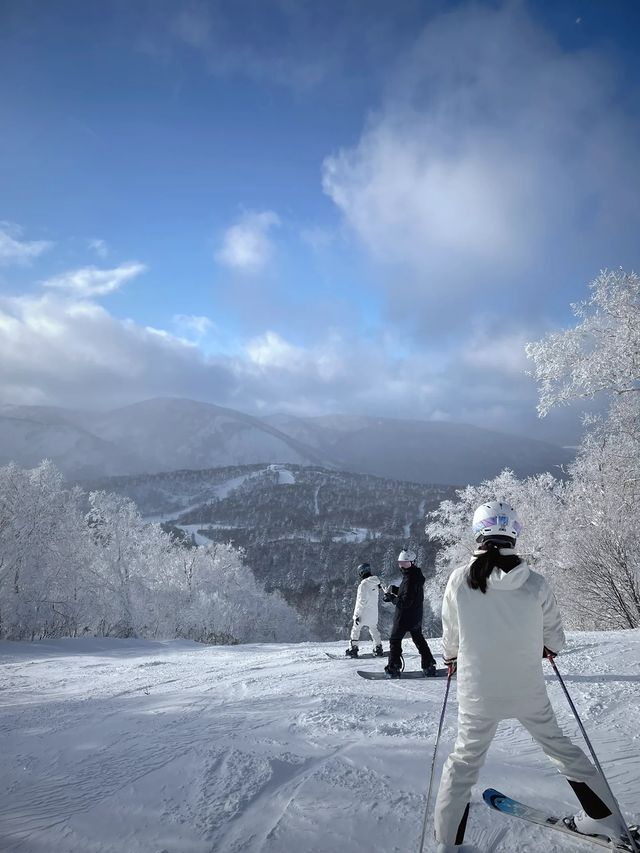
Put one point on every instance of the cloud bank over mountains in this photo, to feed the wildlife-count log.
(495, 173)
(68, 349)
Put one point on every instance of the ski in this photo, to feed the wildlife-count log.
(501, 803)
(365, 656)
(381, 675)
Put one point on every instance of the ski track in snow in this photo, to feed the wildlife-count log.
(174, 747)
(217, 492)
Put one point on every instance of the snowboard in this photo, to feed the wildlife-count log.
(365, 656)
(501, 803)
(381, 675)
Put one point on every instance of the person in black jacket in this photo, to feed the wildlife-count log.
(408, 599)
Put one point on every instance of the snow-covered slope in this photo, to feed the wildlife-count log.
(173, 434)
(155, 435)
(160, 497)
(76, 452)
(421, 451)
(111, 746)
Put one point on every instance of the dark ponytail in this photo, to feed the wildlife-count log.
(487, 558)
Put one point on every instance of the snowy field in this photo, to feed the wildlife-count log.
(173, 747)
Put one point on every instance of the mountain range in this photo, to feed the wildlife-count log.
(176, 434)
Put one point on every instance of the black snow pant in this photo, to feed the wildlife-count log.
(395, 644)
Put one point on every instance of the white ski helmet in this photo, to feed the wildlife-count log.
(406, 556)
(496, 518)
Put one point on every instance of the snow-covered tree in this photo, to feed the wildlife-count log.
(227, 604)
(602, 535)
(540, 505)
(42, 544)
(133, 561)
(601, 356)
(108, 572)
(601, 353)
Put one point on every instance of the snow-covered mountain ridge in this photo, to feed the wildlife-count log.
(172, 434)
(172, 747)
(77, 452)
(156, 435)
(421, 451)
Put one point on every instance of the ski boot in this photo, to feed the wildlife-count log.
(378, 651)
(606, 827)
(352, 651)
(429, 669)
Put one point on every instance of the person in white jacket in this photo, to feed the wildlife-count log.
(365, 612)
(499, 618)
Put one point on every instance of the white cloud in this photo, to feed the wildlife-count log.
(271, 350)
(91, 281)
(246, 245)
(336, 373)
(56, 349)
(407, 201)
(13, 250)
(100, 247)
(194, 326)
(495, 155)
(321, 364)
(498, 353)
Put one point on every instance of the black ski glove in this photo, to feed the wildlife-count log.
(390, 594)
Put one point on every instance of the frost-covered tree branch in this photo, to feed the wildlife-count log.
(601, 353)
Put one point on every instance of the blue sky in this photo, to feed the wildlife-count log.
(309, 207)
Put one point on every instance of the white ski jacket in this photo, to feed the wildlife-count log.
(367, 601)
(498, 637)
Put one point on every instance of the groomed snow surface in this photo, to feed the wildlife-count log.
(174, 747)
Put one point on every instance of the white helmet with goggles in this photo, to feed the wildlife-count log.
(406, 556)
(496, 518)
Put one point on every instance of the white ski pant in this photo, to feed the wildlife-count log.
(373, 630)
(475, 733)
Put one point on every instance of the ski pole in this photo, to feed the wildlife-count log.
(616, 807)
(433, 762)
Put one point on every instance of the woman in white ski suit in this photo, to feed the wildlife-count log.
(497, 638)
(365, 612)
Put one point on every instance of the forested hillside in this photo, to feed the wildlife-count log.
(302, 530)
